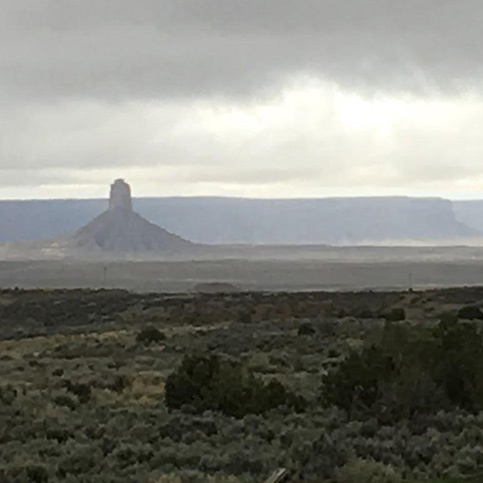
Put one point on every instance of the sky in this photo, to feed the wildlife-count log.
(254, 98)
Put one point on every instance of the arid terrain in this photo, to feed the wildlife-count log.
(95, 386)
(261, 268)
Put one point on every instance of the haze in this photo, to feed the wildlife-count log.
(260, 99)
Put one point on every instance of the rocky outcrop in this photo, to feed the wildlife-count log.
(120, 197)
(121, 230)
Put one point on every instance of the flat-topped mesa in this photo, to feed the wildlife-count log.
(120, 197)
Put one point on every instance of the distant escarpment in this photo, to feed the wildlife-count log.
(470, 212)
(346, 221)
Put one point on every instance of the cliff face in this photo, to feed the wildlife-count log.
(234, 220)
(120, 196)
(470, 213)
(45, 219)
(333, 220)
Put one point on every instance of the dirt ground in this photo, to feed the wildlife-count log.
(245, 275)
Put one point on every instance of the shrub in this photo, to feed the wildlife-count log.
(82, 391)
(29, 473)
(306, 329)
(411, 370)
(7, 395)
(245, 317)
(357, 380)
(150, 335)
(457, 364)
(448, 318)
(37, 474)
(119, 384)
(78, 463)
(65, 400)
(367, 471)
(470, 312)
(395, 315)
(363, 313)
(212, 383)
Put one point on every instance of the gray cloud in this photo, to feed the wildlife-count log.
(304, 141)
(122, 49)
(262, 97)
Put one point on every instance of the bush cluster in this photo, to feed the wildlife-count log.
(410, 370)
(150, 335)
(210, 382)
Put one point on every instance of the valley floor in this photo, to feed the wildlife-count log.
(341, 270)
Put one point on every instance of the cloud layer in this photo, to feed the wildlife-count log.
(266, 98)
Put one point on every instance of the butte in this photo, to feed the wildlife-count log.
(120, 229)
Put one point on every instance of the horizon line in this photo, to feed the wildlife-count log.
(250, 198)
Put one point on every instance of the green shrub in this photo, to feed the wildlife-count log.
(357, 380)
(208, 382)
(367, 471)
(306, 329)
(333, 353)
(150, 335)
(363, 313)
(470, 312)
(31, 473)
(7, 395)
(245, 317)
(448, 318)
(119, 384)
(82, 391)
(409, 370)
(65, 400)
(395, 315)
(37, 474)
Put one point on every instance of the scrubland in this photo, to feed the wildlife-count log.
(114, 386)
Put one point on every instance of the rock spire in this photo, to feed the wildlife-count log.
(120, 197)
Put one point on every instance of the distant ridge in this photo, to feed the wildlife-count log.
(470, 212)
(219, 220)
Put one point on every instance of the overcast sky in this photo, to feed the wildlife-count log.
(259, 98)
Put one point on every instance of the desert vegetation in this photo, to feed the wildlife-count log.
(114, 386)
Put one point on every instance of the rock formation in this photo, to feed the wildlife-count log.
(121, 229)
(120, 197)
